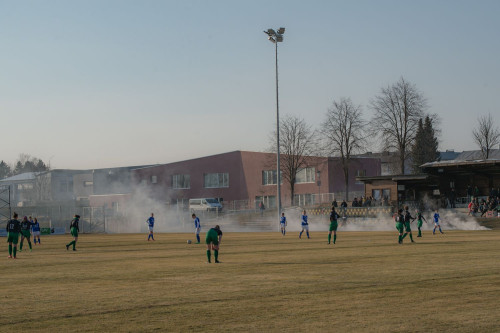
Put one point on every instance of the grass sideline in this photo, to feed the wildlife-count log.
(365, 283)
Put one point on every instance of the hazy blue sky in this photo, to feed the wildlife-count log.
(90, 84)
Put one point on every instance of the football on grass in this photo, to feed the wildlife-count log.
(189, 241)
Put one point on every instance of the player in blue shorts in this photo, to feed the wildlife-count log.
(151, 223)
(283, 224)
(304, 224)
(35, 231)
(436, 223)
(197, 228)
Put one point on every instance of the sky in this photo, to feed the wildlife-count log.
(107, 83)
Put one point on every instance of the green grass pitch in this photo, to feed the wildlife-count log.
(265, 283)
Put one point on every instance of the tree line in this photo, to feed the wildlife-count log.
(25, 163)
(400, 124)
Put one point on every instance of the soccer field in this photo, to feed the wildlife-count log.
(265, 282)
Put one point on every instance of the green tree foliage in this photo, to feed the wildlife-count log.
(28, 163)
(5, 170)
(425, 146)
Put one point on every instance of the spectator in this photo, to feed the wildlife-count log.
(452, 198)
(355, 202)
(469, 193)
(262, 207)
(334, 203)
(476, 191)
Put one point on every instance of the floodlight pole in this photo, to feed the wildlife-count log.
(275, 38)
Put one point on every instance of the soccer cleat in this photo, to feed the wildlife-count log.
(67, 247)
(413, 241)
(74, 249)
(9, 257)
(217, 261)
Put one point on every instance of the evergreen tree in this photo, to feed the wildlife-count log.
(425, 147)
(418, 148)
(5, 170)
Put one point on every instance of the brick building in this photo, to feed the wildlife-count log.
(246, 178)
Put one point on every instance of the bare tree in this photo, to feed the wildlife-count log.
(486, 135)
(297, 145)
(398, 108)
(343, 133)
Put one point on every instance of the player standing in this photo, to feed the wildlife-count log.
(304, 223)
(407, 219)
(420, 217)
(35, 230)
(73, 227)
(283, 224)
(213, 240)
(151, 223)
(13, 230)
(399, 225)
(197, 227)
(333, 226)
(25, 232)
(436, 223)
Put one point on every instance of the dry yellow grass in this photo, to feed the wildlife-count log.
(365, 283)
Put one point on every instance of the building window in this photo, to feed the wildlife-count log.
(154, 179)
(360, 173)
(181, 181)
(216, 180)
(306, 175)
(303, 199)
(269, 177)
(386, 194)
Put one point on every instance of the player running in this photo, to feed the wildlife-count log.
(74, 232)
(304, 223)
(13, 229)
(419, 217)
(213, 240)
(436, 223)
(333, 226)
(35, 231)
(283, 224)
(25, 233)
(151, 223)
(399, 225)
(197, 227)
(407, 220)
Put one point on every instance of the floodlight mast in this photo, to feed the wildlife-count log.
(276, 37)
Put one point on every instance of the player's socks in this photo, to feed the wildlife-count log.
(21, 246)
(10, 250)
(198, 238)
(334, 238)
(329, 238)
(441, 231)
(14, 251)
(29, 243)
(404, 236)
(300, 235)
(307, 232)
(216, 255)
(400, 239)
(411, 237)
(208, 255)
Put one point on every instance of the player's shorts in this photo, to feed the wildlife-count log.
(333, 226)
(35, 233)
(212, 237)
(74, 232)
(282, 225)
(197, 231)
(407, 227)
(436, 224)
(305, 227)
(150, 229)
(419, 223)
(400, 227)
(13, 237)
(26, 233)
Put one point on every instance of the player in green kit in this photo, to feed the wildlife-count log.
(13, 230)
(399, 225)
(25, 232)
(333, 226)
(407, 219)
(213, 240)
(74, 232)
(419, 217)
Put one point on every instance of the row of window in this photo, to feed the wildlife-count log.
(221, 180)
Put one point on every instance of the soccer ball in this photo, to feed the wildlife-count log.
(189, 241)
